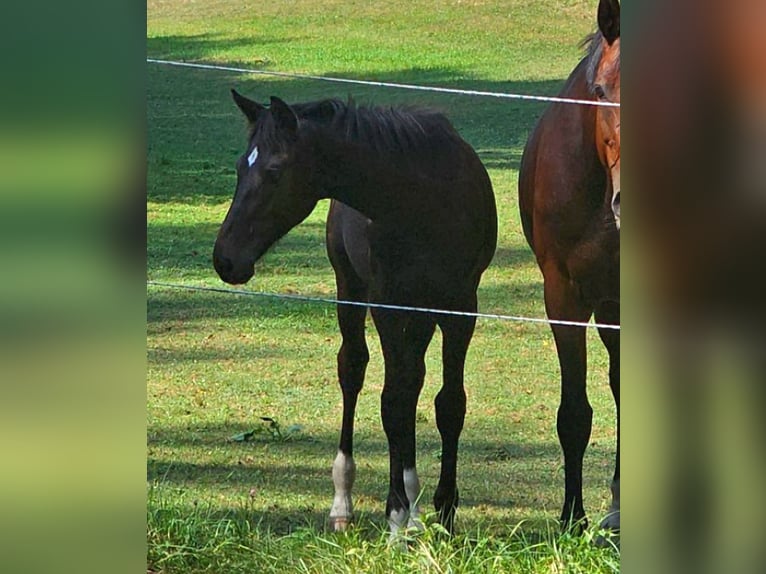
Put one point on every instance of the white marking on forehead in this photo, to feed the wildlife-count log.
(252, 157)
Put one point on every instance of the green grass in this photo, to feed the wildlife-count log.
(217, 363)
(202, 538)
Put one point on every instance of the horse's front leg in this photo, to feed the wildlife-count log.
(352, 364)
(404, 339)
(575, 414)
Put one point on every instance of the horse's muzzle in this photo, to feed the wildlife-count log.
(616, 209)
(230, 271)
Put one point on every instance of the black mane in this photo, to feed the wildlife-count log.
(385, 130)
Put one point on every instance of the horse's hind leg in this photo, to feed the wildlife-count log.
(610, 314)
(404, 339)
(450, 406)
(575, 415)
(352, 365)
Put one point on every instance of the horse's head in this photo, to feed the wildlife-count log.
(604, 82)
(270, 197)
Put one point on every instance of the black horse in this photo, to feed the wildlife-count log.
(412, 222)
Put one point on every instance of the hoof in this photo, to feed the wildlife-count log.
(415, 524)
(398, 542)
(607, 539)
(340, 523)
(611, 522)
(609, 531)
(574, 527)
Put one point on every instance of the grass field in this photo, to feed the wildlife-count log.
(217, 363)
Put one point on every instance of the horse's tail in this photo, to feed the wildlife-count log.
(526, 188)
(490, 231)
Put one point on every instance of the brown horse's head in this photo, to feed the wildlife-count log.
(604, 83)
(270, 198)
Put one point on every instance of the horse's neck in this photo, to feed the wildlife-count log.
(585, 158)
(355, 176)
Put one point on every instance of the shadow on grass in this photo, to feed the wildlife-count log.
(502, 159)
(189, 247)
(232, 352)
(168, 309)
(370, 526)
(513, 257)
(205, 46)
(302, 466)
(196, 132)
(185, 248)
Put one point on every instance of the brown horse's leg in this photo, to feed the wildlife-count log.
(404, 339)
(450, 411)
(352, 365)
(575, 413)
(609, 313)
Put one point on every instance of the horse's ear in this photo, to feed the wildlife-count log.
(250, 108)
(609, 20)
(284, 115)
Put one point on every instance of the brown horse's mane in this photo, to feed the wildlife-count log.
(593, 45)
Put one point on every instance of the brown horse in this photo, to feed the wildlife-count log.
(569, 198)
(412, 222)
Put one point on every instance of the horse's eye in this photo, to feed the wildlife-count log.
(272, 173)
(599, 92)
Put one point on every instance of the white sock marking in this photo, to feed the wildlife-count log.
(412, 489)
(343, 475)
(407, 517)
(397, 521)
